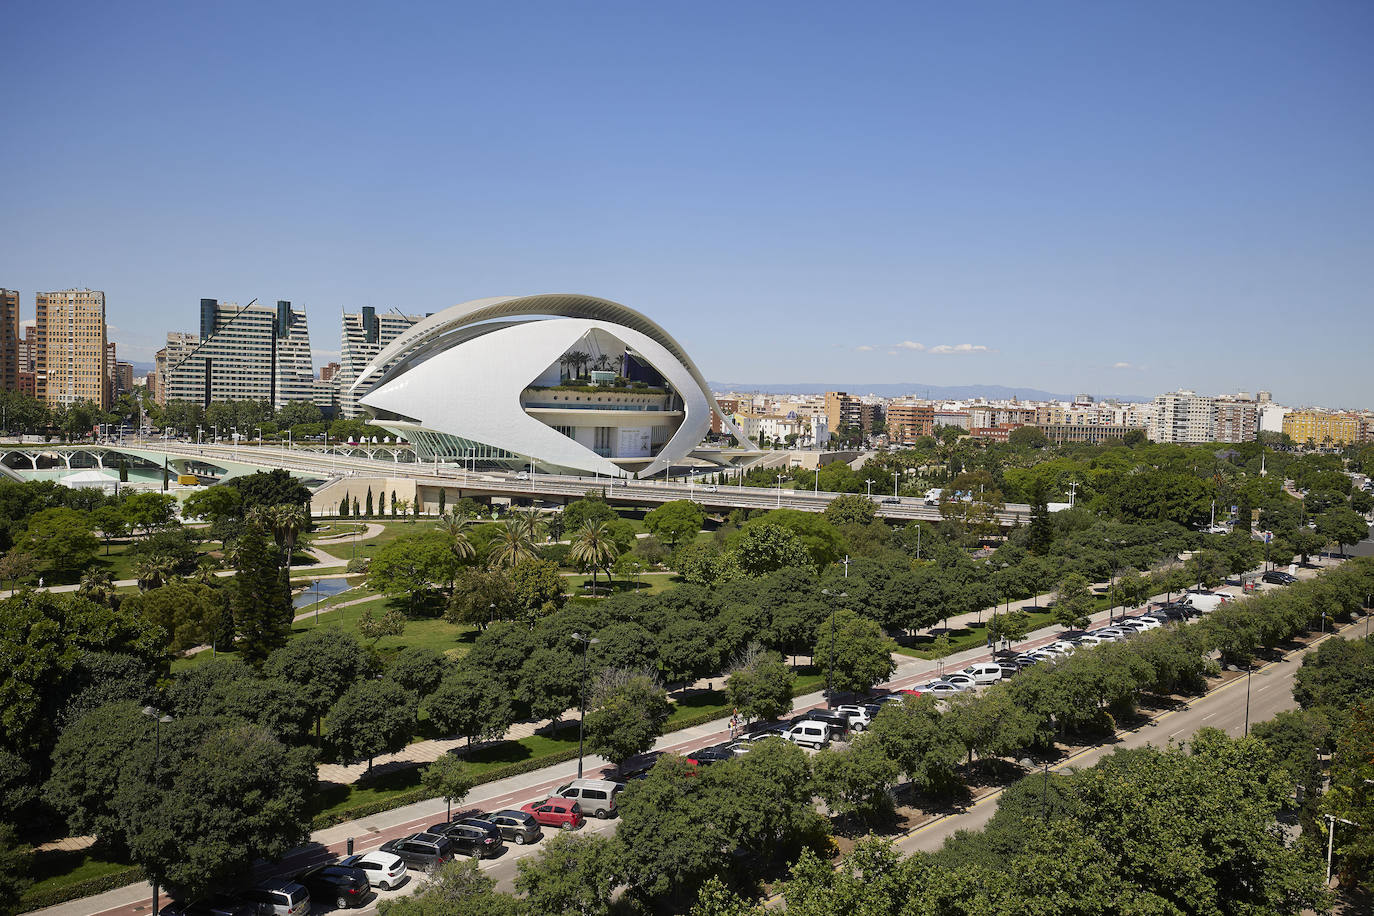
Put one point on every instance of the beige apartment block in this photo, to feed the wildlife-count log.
(70, 362)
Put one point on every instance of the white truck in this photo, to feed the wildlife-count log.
(933, 496)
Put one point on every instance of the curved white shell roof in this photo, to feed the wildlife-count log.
(461, 371)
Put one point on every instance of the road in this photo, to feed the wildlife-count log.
(538, 485)
(1271, 692)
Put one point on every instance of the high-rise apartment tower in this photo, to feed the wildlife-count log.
(70, 361)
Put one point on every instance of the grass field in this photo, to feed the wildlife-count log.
(967, 637)
(56, 868)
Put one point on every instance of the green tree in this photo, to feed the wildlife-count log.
(412, 565)
(512, 544)
(1011, 626)
(580, 511)
(450, 778)
(857, 657)
(261, 611)
(993, 724)
(254, 789)
(536, 589)
(854, 782)
(190, 613)
(15, 860)
(822, 541)
(369, 502)
(1342, 525)
(1073, 602)
(764, 548)
(110, 522)
(1027, 437)
(418, 669)
(921, 741)
(675, 521)
(93, 756)
(371, 718)
(62, 538)
(149, 511)
(850, 509)
(324, 663)
(471, 703)
(625, 716)
(760, 686)
(480, 597)
(571, 876)
(370, 626)
(459, 888)
(594, 548)
(1351, 796)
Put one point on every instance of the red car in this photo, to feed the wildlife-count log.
(556, 812)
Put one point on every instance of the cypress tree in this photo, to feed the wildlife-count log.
(442, 500)
(262, 610)
(356, 508)
(369, 502)
(343, 506)
(123, 471)
(393, 502)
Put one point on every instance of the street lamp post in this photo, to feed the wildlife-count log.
(869, 481)
(780, 491)
(158, 720)
(817, 489)
(1249, 666)
(587, 643)
(894, 483)
(259, 431)
(1331, 822)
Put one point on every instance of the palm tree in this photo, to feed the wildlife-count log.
(287, 522)
(97, 586)
(153, 572)
(603, 363)
(455, 527)
(511, 545)
(531, 520)
(592, 546)
(577, 360)
(205, 569)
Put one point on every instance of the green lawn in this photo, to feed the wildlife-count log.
(57, 868)
(649, 584)
(967, 637)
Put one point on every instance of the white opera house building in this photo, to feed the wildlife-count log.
(569, 383)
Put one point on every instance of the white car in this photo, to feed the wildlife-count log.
(940, 688)
(1064, 646)
(383, 869)
(1116, 632)
(960, 679)
(859, 716)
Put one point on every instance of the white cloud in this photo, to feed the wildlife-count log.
(1122, 365)
(958, 348)
(864, 348)
(891, 352)
(911, 345)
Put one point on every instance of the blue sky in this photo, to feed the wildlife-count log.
(1106, 197)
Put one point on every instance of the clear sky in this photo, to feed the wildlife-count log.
(1106, 197)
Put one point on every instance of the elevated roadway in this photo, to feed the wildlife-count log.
(324, 468)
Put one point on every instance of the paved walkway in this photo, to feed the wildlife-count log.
(373, 529)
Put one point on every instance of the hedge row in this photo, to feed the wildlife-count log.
(38, 899)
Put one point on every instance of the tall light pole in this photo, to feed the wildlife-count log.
(779, 491)
(259, 431)
(1249, 666)
(869, 481)
(894, 483)
(1331, 822)
(817, 489)
(587, 643)
(158, 720)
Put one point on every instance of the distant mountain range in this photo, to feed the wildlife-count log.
(912, 389)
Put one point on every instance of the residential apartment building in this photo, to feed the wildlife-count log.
(1237, 418)
(1315, 427)
(9, 340)
(329, 371)
(1096, 433)
(949, 417)
(70, 360)
(907, 421)
(1184, 416)
(179, 346)
(364, 335)
(729, 407)
(843, 411)
(251, 352)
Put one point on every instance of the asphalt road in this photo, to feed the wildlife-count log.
(1271, 692)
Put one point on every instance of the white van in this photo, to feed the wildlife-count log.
(596, 796)
(809, 733)
(1203, 603)
(933, 496)
(984, 673)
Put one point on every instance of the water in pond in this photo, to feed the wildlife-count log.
(320, 591)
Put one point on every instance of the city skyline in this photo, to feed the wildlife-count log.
(1109, 200)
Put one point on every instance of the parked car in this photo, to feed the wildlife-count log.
(472, 837)
(421, 850)
(889, 500)
(772, 731)
(519, 827)
(716, 753)
(595, 795)
(383, 869)
(563, 813)
(1203, 603)
(984, 672)
(838, 722)
(961, 680)
(1023, 661)
(279, 897)
(346, 886)
(218, 905)
(809, 734)
(1279, 577)
(939, 689)
(859, 716)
